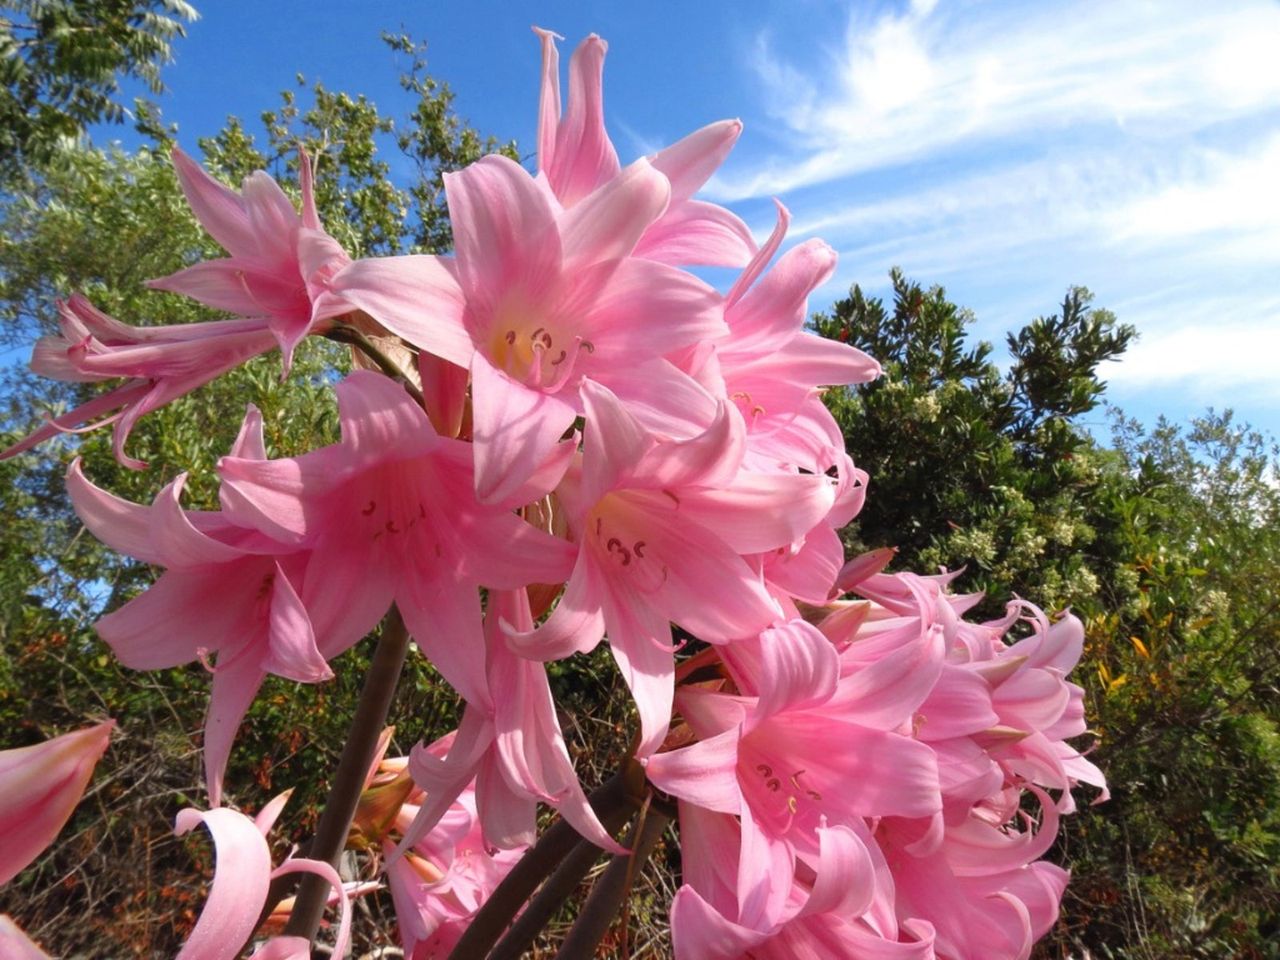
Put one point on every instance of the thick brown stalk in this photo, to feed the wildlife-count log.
(614, 802)
(353, 766)
(614, 886)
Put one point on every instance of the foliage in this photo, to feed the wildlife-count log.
(61, 62)
(971, 466)
(1166, 542)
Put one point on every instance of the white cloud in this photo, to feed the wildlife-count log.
(934, 81)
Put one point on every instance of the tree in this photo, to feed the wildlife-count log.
(61, 62)
(972, 467)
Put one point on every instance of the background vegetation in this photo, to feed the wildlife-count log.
(1164, 538)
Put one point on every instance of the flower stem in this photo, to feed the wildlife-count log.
(610, 892)
(354, 338)
(614, 802)
(353, 767)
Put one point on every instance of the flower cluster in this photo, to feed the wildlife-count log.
(593, 443)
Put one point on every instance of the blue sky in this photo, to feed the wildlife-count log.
(1004, 150)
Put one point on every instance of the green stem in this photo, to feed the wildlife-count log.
(353, 766)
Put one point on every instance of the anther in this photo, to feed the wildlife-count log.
(560, 359)
(637, 548)
(391, 527)
(773, 783)
(764, 769)
(511, 337)
(370, 508)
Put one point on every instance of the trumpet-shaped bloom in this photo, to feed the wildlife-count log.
(804, 750)
(160, 364)
(577, 157)
(447, 870)
(390, 514)
(839, 907)
(662, 527)
(280, 262)
(509, 748)
(234, 589)
(40, 786)
(536, 299)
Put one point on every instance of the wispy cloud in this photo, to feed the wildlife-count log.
(930, 80)
(1014, 149)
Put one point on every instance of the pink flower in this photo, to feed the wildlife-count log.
(536, 299)
(280, 264)
(838, 907)
(978, 885)
(577, 157)
(662, 527)
(234, 589)
(390, 514)
(806, 749)
(446, 872)
(509, 748)
(242, 876)
(160, 364)
(40, 786)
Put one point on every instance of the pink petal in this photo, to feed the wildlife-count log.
(504, 232)
(415, 297)
(639, 639)
(232, 692)
(615, 441)
(798, 667)
(689, 162)
(584, 157)
(697, 233)
(700, 932)
(178, 543)
(291, 644)
(242, 873)
(219, 209)
(762, 257)
(575, 625)
(548, 97)
(249, 443)
(782, 508)
(845, 882)
(607, 223)
(515, 429)
(15, 944)
(40, 787)
(141, 632)
(123, 526)
(324, 870)
(648, 309)
(704, 773)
